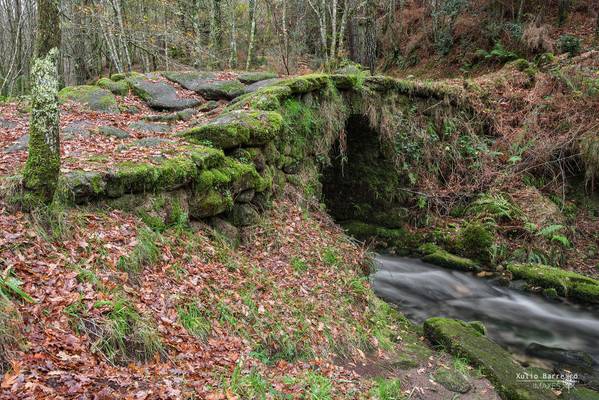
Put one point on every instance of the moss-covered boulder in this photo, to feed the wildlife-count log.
(256, 76)
(239, 128)
(159, 95)
(566, 283)
(120, 88)
(19, 145)
(207, 84)
(452, 380)
(149, 127)
(93, 98)
(113, 132)
(124, 75)
(209, 203)
(243, 215)
(437, 256)
(81, 187)
(462, 340)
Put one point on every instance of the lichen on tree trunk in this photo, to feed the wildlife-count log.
(40, 175)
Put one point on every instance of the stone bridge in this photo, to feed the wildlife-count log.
(362, 144)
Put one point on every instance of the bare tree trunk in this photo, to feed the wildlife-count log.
(370, 37)
(252, 33)
(216, 36)
(233, 45)
(48, 28)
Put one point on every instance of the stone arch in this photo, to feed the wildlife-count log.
(293, 132)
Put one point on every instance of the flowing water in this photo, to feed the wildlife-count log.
(513, 318)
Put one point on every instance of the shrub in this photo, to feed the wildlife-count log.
(569, 44)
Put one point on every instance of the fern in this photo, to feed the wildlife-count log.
(10, 286)
(495, 206)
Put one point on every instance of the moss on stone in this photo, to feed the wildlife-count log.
(306, 83)
(398, 238)
(92, 97)
(141, 177)
(209, 203)
(256, 76)
(124, 75)
(566, 283)
(462, 340)
(447, 260)
(239, 128)
(120, 88)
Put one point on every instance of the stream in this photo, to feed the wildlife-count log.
(514, 318)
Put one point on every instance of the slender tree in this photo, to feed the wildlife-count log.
(252, 33)
(216, 32)
(40, 175)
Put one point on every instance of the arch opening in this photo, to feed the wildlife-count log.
(362, 188)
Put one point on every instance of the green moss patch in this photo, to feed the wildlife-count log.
(566, 283)
(92, 97)
(120, 88)
(442, 258)
(400, 238)
(237, 128)
(462, 340)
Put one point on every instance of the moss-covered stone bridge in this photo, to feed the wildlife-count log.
(364, 142)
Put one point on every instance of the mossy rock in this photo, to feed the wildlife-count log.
(397, 237)
(207, 84)
(239, 128)
(566, 283)
(220, 89)
(306, 83)
(80, 186)
(142, 126)
(113, 132)
(243, 215)
(269, 98)
(124, 75)
(447, 260)
(120, 88)
(93, 98)
(462, 340)
(159, 95)
(452, 380)
(254, 87)
(256, 76)
(209, 203)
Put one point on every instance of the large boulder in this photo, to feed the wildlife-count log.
(7, 124)
(462, 340)
(159, 95)
(251, 77)
(19, 145)
(93, 98)
(142, 126)
(237, 128)
(207, 84)
(261, 84)
(120, 88)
